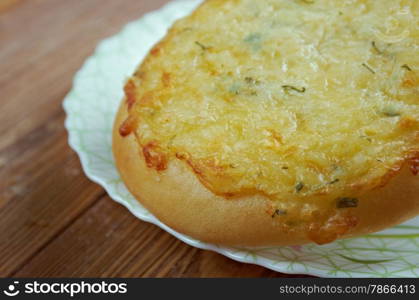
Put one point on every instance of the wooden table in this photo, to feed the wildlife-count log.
(53, 221)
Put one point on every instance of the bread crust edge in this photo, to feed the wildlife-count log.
(179, 200)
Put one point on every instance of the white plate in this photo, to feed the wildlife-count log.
(91, 106)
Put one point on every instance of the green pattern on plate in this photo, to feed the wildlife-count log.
(91, 106)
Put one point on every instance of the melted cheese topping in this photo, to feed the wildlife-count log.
(285, 98)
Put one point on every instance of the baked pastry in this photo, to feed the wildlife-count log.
(277, 122)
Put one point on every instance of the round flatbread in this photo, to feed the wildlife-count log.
(277, 122)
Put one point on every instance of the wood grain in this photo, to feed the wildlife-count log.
(124, 246)
(53, 220)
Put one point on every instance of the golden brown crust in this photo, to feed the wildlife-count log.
(174, 114)
(209, 160)
(181, 201)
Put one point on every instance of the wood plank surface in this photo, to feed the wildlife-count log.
(123, 246)
(54, 222)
